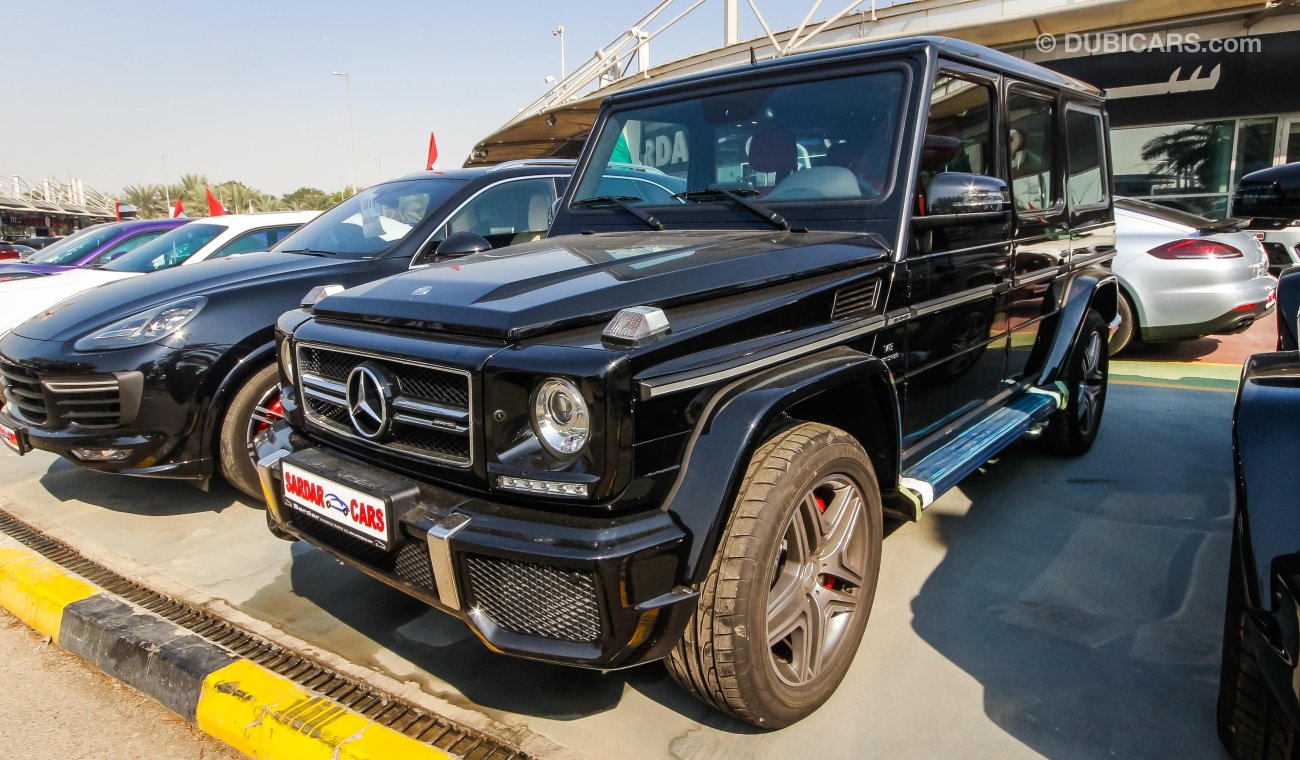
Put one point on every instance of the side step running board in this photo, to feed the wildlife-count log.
(942, 469)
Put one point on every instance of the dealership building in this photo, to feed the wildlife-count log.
(1201, 91)
(50, 207)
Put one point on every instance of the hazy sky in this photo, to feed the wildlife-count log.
(242, 90)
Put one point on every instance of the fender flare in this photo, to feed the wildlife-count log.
(1084, 289)
(736, 421)
(245, 363)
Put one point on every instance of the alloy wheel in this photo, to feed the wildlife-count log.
(816, 587)
(1092, 382)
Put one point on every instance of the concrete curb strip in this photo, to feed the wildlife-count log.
(256, 711)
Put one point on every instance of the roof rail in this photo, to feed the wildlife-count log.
(517, 163)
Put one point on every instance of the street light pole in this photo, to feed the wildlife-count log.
(352, 137)
(559, 32)
(167, 191)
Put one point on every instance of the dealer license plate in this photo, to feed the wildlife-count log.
(12, 439)
(357, 513)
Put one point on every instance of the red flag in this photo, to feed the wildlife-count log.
(433, 154)
(179, 210)
(214, 206)
(117, 210)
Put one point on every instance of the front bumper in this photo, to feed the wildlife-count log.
(126, 402)
(592, 592)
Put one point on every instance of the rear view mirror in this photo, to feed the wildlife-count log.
(460, 244)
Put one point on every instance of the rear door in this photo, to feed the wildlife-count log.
(1041, 247)
(1088, 194)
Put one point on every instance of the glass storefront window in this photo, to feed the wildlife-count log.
(1178, 159)
(1293, 142)
(1256, 142)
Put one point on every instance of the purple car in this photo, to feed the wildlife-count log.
(92, 246)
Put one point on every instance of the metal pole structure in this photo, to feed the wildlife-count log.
(559, 32)
(167, 191)
(352, 137)
(730, 22)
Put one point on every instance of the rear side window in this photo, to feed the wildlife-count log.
(1030, 147)
(257, 240)
(1087, 180)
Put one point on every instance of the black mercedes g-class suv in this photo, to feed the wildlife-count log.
(672, 429)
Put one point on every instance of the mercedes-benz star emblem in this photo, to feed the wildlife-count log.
(369, 394)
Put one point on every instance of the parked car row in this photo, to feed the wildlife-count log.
(607, 413)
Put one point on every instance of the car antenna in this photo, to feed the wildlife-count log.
(753, 59)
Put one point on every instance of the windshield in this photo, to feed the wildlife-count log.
(168, 250)
(372, 222)
(73, 247)
(825, 140)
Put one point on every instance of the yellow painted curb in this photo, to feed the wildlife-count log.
(36, 590)
(267, 716)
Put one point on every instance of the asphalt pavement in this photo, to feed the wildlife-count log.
(1046, 607)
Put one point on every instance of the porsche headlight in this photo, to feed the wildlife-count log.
(144, 327)
(560, 417)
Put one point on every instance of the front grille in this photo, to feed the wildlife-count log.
(430, 410)
(22, 390)
(536, 600)
(89, 402)
(410, 562)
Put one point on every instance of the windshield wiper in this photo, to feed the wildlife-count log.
(622, 201)
(756, 208)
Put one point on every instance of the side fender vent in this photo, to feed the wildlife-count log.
(855, 300)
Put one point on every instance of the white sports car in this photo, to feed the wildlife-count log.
(201, 240)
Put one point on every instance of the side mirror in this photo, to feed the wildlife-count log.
(460, 244)
(962, 193)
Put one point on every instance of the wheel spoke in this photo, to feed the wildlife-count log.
(834, 550)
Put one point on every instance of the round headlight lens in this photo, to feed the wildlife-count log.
(286, 359)
(560, 417)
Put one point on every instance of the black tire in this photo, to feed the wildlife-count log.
(1071, 431)
(1251, 723)
(1128, 327)
(237, 464)
(724, 657)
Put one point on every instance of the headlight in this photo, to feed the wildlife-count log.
(145, 327)
(286, 359)
(560, 417)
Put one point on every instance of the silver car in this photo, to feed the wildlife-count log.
(1184, 276)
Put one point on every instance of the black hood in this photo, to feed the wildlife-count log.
(112, 301)
(563, 281)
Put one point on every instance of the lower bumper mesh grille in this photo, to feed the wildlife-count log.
(410, 562)
(536, 600)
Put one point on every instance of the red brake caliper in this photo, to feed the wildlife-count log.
(278, 409)
(827, 581)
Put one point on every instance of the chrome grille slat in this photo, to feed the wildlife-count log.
(432, 423)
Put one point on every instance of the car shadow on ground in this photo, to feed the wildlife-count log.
(67, 481)
(447, 650)
(1086, 595)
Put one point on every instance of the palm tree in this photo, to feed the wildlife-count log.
(147, 198)
(268, 202)
(192, 191)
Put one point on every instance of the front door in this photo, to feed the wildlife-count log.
(956, 338)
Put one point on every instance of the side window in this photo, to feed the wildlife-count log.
(124, 246)
(959, 132)
(1086, 148)
(513, 211)
(618, 186)
(1030, 148)
(251, 242)
(655, 194)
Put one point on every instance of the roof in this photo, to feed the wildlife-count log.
(530, 165)
(253, 221)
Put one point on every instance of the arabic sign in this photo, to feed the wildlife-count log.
(1166, 86)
